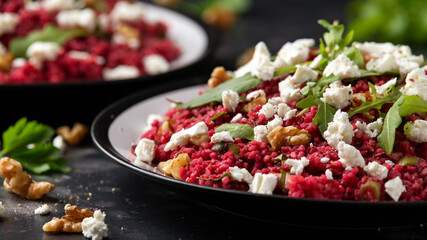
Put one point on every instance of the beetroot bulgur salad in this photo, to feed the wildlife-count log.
(57, 41)
(345, 121)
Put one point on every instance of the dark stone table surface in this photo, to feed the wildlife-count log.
(140, 209)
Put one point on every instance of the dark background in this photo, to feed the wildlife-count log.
(140, 209)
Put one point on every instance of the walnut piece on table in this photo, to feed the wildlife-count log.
(21, 183)
(75, 135)
(71, 222)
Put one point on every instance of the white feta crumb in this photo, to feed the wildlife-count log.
(292, 53)
(386, 63)
(8, 22)
(416, 83)
(275, 122)
(260, 65)
(381, 90)
(416, 131)
(350, 156)
(343, 67)
(81, 55)
(1, 209)
(150, 119)
(42, 210)
(132, 42)
(268, 110)
(144, 151)
(297, 166)
(230, 100)
(38, 52)
(263, 183)
(328, 174)
(288, 92)
(59, 143)
(285, 112)
(372, 129)
(316, 62)
(377, 170)
(155, 64)
(324, 159)
(18, 62)
(54, 5)
(77, 18)
(389, 162)
(95, 227)
(127, 12)
(236, 118)
(338, 96)
(182, 137)
(224, 136)
(255, 94)
(275, 101)
(120, 72)
(303, 74)
(340, 129)
(260, 133)
(394, 188)
(241, 174)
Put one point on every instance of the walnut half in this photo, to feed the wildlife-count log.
(218, 76)
(172, 166)
(71, 222)
(288, 136)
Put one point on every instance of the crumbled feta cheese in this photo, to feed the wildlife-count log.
(394, 188)
(338, 96)
(8, 22)
(381, 90)
(155, 64)
(263, 183)
(328, 174)
(237, 118)
(292, 53)
(260, 133)
(288, 92)
(32, 6)
(76, 18)
(224, 136)
(1, 209)
(303, 74)
(18, 62)
(377, 170)
(241, 174)
(416, 83)
(324, 160)
(144, 151)
(81, 55)
(151, 118)
(372, 129)
(59, 143)
(127, 12)
(316, 62)
(350, 156)
(275, 101)
(276, 122)
(268, 110)
(340, 129)
(120, 72)
(132, 42)
(297, 166)
(285, 112)
(260, 65)
(343, 67)
(95, 227)
(389, 162)
(416, 131)
(42, 210)
(230, 100)
(38, 52)
(386, 63)
(182, 137)
(255, 94)
(54, 5)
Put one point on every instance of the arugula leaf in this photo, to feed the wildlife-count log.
(355, 55)
(218, 115)
(237, 130)
(325, 112)
(412, 104)
(333, 39)
(40, 158)
(323, 82)
(239, 85)
(391, 122)
(286, 70)
(50, 33)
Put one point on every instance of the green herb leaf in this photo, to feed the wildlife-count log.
(50, 33)
(286, 70)
(334, 36)
(323, 82)
(237, 130)
(218, 115)
(325, 115)
(412, 104)
(239, 85)
(355, 55)
(391, 122)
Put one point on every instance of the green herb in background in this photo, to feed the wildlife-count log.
(396, 21)
(30, 143)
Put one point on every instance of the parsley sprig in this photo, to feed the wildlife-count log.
(30, 143)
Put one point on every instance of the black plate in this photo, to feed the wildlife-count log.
(66, 103)
(272, 208)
